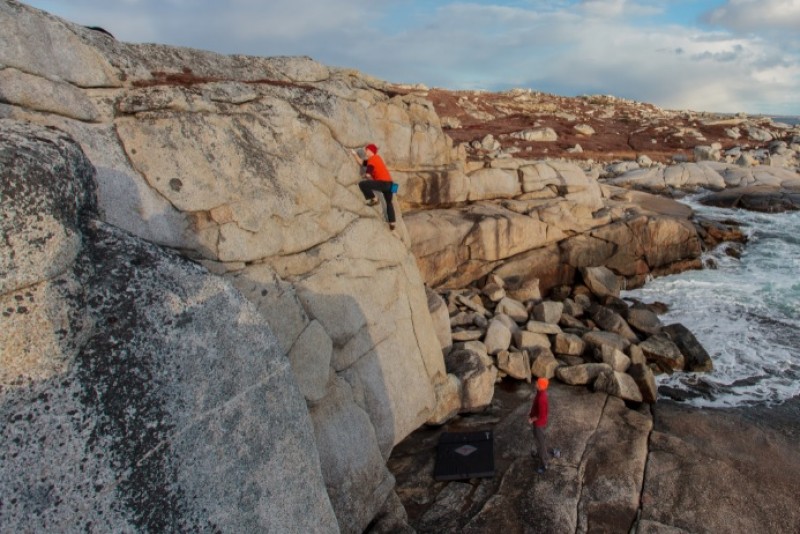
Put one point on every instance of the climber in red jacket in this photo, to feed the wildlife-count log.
(379, 180)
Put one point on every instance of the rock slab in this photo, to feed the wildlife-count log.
(174, 409)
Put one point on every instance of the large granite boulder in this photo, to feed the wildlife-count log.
(139, 392)
(458, 246)
(755, 187)
(477, 377)
(696, 357)
(537, 245)
(763, 198)
(242, 164)
(688, 177)
(730, 470)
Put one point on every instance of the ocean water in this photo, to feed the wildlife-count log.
(790, 120)
(746, 313)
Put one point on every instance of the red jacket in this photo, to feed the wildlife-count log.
(376, 168)
(540, 408)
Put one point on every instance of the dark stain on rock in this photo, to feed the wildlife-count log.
(30, 166)
(175, 184)
(120, 384)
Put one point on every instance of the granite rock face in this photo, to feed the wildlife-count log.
(243, 165)
(537, 244)
(172, 406)
(719, 470)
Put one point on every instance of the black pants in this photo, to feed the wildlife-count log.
(368, 187)
(541, 448)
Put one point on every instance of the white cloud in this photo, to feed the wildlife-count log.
(289, 18)
(755, 15)
(562, 46)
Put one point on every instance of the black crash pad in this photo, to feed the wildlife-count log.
(462, 455)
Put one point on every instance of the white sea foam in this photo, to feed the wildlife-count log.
(746, 313)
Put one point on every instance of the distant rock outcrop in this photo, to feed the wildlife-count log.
(551, 220)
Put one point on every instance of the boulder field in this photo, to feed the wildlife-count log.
(205, 328)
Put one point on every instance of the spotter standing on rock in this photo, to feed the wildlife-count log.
(540, 409)
(379, 180)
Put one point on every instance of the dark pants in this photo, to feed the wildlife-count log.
(368, 187)
(541, 448)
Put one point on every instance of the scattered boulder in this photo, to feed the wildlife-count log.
(536, 134)
(618, 361)
(708, 153)
(467, 335)
(498, 337)
(661, 350)
(646, 381)
(448, 401)
(513, 308)
(597, 339)
(581, 375)
(696, 357)
(477, 379)
(601, 281)
(610, 321)
(568, 344)
(548, 311)
(644, 320)
(637, 355)
(508, 321)
(543, 363)
(525, 340)
(618, 384)
(543, 328)
(515, 364)
(494, 292)
(572, 308)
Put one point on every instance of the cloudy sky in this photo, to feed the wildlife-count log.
(705, 55)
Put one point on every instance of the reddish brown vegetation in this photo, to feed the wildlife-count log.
(623, 128)
(186, 78)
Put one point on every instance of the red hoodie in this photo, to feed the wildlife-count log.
(377, 169)
(539, 408)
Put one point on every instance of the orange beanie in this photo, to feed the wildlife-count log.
(542, 383)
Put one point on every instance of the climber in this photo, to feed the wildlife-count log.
(377, 179)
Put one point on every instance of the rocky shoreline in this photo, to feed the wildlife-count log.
(589, 337)
(681, 469)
